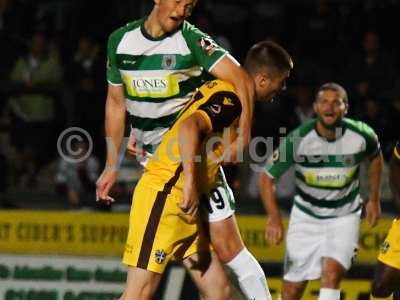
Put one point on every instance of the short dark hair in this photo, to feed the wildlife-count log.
(332, 86)
(268, 55)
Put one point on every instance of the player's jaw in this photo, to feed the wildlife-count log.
(172, 13)
(330, 119)
(171, 23)
(268, 87)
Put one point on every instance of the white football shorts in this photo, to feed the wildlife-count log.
(309, 240)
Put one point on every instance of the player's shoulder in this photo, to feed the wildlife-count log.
(118, 33)
(360, 127)
(304, 129)
(217, 85)
(191, 33)
(223, 85)
(189, 27)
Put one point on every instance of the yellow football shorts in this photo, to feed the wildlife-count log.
(158, 233)
(390, 250)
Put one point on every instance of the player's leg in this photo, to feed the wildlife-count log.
(304, 240)
(226, 249)
(140, 284)
(386, 280)
(332, 275)
(232, 252)
(144, 270)
(208, 275)
(292, 290)
(339, 248)
(157, 234)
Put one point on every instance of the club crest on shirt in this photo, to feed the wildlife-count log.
(168, 61)
(208, 45)
(160, 256)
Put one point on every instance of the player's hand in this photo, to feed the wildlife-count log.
(132, 149)
(104, 185)
(190, 202)
(274, 230)
(372, 212)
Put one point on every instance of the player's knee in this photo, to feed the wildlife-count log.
(221, 291)
(226, 251)
(380, 289)
(218, 288)
(144, 291)
(331, 279)
(292, 292)
(225, 254)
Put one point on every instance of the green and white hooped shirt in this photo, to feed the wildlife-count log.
(327, 181)
(160, 75)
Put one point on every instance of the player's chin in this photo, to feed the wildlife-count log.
(172, 25)
(331, 123)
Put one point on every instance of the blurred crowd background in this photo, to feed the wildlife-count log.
(52, 77)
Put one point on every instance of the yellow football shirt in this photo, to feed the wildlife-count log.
(219, 104)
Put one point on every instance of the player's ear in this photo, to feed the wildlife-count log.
(346, 110)
(157, 2)
(262, 80)
(315, 107)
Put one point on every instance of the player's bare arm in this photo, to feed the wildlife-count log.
(229, 70)
(191, 132)
(114, 128)
(373, 207)
(274, 226)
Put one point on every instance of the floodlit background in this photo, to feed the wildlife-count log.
(47, 203)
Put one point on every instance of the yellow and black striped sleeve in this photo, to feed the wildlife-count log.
(221, 110)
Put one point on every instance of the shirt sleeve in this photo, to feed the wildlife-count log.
(113, 74)
(373, 147)
(282, 158)
(221, 110)
(205, 50)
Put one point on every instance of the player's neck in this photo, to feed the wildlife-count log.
(327, 133)
(153, 27)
